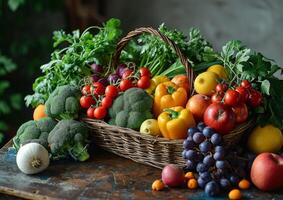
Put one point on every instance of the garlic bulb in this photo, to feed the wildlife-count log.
(32, 158)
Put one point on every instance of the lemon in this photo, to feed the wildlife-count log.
(150, 127)
(205, 83)
(219, 70)
(265, 139)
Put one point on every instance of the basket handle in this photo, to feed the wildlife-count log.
(124, 41)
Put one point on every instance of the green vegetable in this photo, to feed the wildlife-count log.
(131, 108)
(72, 63)
(63, 103)
(34, 131)
(69, 138)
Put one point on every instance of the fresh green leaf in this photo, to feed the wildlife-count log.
(265, 86)
(14, 4)
(4, 108)
(3, 86)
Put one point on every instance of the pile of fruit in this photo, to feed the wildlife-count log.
(150, 93)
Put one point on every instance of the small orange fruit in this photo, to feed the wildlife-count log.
(244, 184)
(192, 184)
(39, 112)
(157, 185)
(189, 175)
(235, 194)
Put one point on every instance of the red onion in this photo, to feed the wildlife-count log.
(113, 78)
(97, 69)
(104, 81)
(95, 77)
(120, 69)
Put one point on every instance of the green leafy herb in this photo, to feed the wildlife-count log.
(70, 64)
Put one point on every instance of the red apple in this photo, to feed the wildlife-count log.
(172, 175)
(241, 112)
(197, 104)
(220, 117)
(267, 172)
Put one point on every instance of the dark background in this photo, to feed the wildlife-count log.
(26, 29)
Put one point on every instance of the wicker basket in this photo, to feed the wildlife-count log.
(146, 149)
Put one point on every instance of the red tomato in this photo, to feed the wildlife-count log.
(127, 73)
(217, 97)
(125, 84)
(244, 94)
(89, 112)
(241, 112)
(255, 98)
(246, 84)
(106, 102)
(86, 101)
(100, 112)
(111, 91)
(86, 90)
(97, 88)
(221, 87)
(144, 71)
(231, 97)
(144, 82)
(220, 117)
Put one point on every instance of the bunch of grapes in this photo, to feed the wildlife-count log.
(204, 153)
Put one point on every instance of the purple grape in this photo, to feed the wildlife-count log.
(201, 167)
(103, 81)
(212, 188)
(216, 139)
(201, 182)
(224, 183)
(191, 165)
(188, 144)
(219, 149)
(184, 154)
(198, 137)
(207, 132)
(205, 176)
(234, 180)
(113, 78)
(221, 164)
(190, 155)
(192, 131)
(200, 126)
(208, 160)
(205, 146)
(95, 77)
(218, 155)
(120, 69)
(97, 69)
(199, 157)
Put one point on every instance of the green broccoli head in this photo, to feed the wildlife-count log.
(131, 108)
(34, 131)
(69, 138)
(63, 103)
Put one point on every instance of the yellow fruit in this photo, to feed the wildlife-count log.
(265, 139)
(150, 127)
(219, 70)
(39, 112)
(235, 194)
(205, 83)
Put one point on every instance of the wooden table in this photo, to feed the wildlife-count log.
(104, 176)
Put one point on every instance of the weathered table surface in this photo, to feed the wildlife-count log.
(104, 176)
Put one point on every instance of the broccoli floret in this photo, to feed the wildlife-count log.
(69, 138)
(63, 103)
(131, 109)
(34, 131)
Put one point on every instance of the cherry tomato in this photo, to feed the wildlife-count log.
(221, 87)
(241, 112)
(127, 73)
(231, 97)
(100, 112)
(255, 98)
(106, 102)
(97, 88)
(246, 84)
(217, 97)
(244, 94)
(89, 112)
(111, 91)
(86, 101)
(144, 72)
(86, 90)
(125, 84)
(144, 82)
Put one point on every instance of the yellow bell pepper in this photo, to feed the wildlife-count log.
(174, 122)
(168, 95)
(151, 88)
(155, 81)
